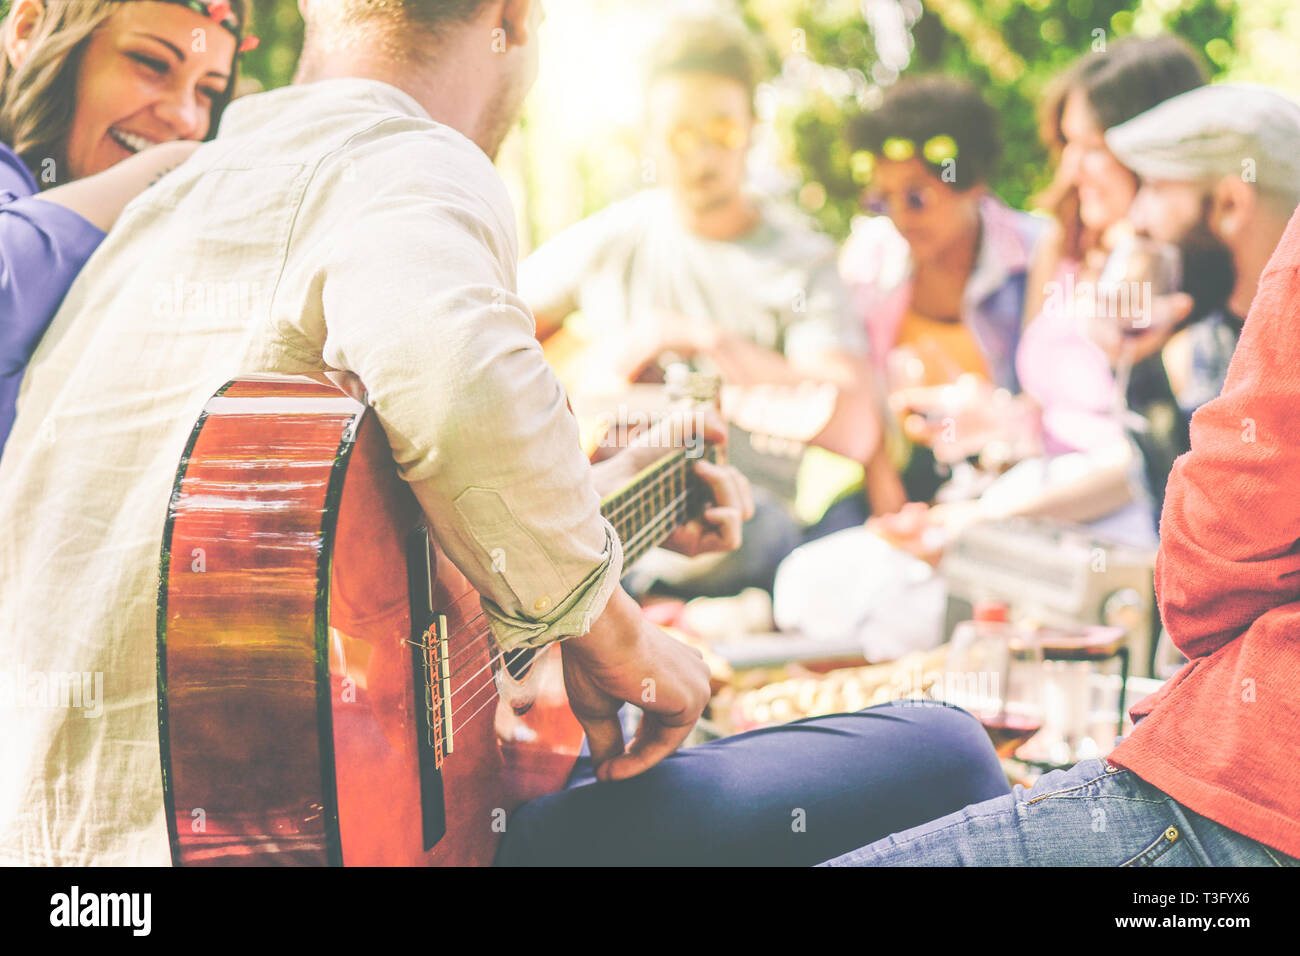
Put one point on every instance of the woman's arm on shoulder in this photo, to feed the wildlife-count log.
(45, 239)
(100, 199)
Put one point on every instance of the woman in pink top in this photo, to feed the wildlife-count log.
(1057, 364)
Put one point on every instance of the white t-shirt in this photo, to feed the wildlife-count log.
(778, 286)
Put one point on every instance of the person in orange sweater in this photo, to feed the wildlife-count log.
(1210, 774)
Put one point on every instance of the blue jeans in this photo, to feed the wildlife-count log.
(1093, 814)
(789, 795)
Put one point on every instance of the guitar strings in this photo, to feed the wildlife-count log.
(671, 467)
(676, 508)
(648, 532)
(653, 528)
(651, 531)
(677, 503)
(621, 511)
(494, 697)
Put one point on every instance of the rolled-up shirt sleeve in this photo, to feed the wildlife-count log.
(418, 300)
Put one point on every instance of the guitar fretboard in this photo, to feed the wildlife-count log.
(655, 503)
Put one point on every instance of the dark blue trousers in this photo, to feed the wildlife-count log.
(792, 795)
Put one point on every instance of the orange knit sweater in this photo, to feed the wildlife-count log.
(1223, 735)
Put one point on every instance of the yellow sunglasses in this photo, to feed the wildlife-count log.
(685, 139)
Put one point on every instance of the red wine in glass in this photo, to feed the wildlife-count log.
(1009, 731)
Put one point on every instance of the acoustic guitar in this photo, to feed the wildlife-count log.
(328, 689)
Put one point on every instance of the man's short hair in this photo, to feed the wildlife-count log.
(430, 15)
(717, 45)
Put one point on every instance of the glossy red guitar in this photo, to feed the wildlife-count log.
(328, 690)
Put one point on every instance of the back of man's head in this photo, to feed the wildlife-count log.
(469, 63)
(399, 28)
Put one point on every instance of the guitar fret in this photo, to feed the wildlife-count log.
(646, 513)
(659, 502)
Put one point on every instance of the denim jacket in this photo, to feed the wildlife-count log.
(876, 265)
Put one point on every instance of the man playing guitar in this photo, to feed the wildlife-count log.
(350, 222)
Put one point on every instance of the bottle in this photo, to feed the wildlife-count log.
(977, 661)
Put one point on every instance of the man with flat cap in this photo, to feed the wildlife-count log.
(1220, 177)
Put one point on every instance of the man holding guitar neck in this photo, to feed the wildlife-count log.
(354, 222)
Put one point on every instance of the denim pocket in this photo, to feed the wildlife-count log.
(1158, 853)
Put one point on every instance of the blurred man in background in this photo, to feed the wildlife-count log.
(1220, 171)
(705, 271)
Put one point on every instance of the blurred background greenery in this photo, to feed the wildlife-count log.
(579, 145)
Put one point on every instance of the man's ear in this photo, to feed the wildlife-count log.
(1232, 208)
(516, 20)
(20, 30)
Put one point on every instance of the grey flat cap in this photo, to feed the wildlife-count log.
(1230, 129)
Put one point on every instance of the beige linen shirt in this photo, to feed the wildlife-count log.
(329, 226)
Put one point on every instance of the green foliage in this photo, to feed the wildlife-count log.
(1008, 50)
(278, 25)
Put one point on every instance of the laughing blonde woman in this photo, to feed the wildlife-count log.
(98, 98)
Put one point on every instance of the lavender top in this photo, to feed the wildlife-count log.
(42, 248)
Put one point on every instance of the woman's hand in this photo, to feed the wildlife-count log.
(914, 528)
(1137, 338)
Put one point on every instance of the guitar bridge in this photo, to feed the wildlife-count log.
(437, 688)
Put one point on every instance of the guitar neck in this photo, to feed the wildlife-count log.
(655, 503)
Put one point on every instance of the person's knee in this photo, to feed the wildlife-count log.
(955, 740)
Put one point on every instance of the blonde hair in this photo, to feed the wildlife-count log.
(38, 99)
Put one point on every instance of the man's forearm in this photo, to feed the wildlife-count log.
(882, 483)
(744, 363)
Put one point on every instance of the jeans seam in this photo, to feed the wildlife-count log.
(928, 833)
(1057, 793)
(1271, 855)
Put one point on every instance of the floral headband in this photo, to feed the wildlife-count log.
(936, 150)
(221, 13)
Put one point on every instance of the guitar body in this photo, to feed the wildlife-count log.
(329, 692)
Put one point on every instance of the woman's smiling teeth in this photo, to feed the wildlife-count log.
(130, 141)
